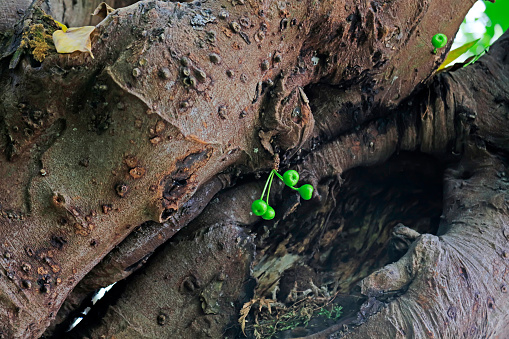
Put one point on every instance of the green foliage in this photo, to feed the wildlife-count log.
(498, 13)
(333, 314)
(486, 26)
(455, 53)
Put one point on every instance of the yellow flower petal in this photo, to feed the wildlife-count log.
(74, 39)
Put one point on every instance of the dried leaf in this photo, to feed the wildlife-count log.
(244, 312)
(103, 10)
(74, 39)
(455, 53)
(266, 303)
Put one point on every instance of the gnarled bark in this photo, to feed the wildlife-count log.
(179, 93)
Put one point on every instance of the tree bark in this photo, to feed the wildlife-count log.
(185, 100)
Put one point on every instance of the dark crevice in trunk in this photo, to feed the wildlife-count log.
(349, 233)
(97, 312)
(371, 201)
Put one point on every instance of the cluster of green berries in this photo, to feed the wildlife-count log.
(438, 41)
(290, 178)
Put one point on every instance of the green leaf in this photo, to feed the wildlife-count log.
(454, 54)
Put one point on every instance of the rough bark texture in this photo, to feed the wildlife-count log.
(118, 154)
(211, 275)
(69, 12)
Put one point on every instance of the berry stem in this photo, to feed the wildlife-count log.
(278, 175)
(270, 184)
(269, 179)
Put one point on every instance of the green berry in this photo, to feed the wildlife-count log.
(291, 178)
(306, 191)
(259, 207)
(269, 214)
(438, 41)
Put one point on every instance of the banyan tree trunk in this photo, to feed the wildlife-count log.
(151, 153)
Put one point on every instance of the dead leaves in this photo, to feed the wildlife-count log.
(272, 317)
(244, 312)
(103, 10)
(69, 40)
(74, 39)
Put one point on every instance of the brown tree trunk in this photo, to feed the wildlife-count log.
(162, 137)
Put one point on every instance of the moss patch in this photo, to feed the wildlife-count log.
(38, 42)
(37, 38)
